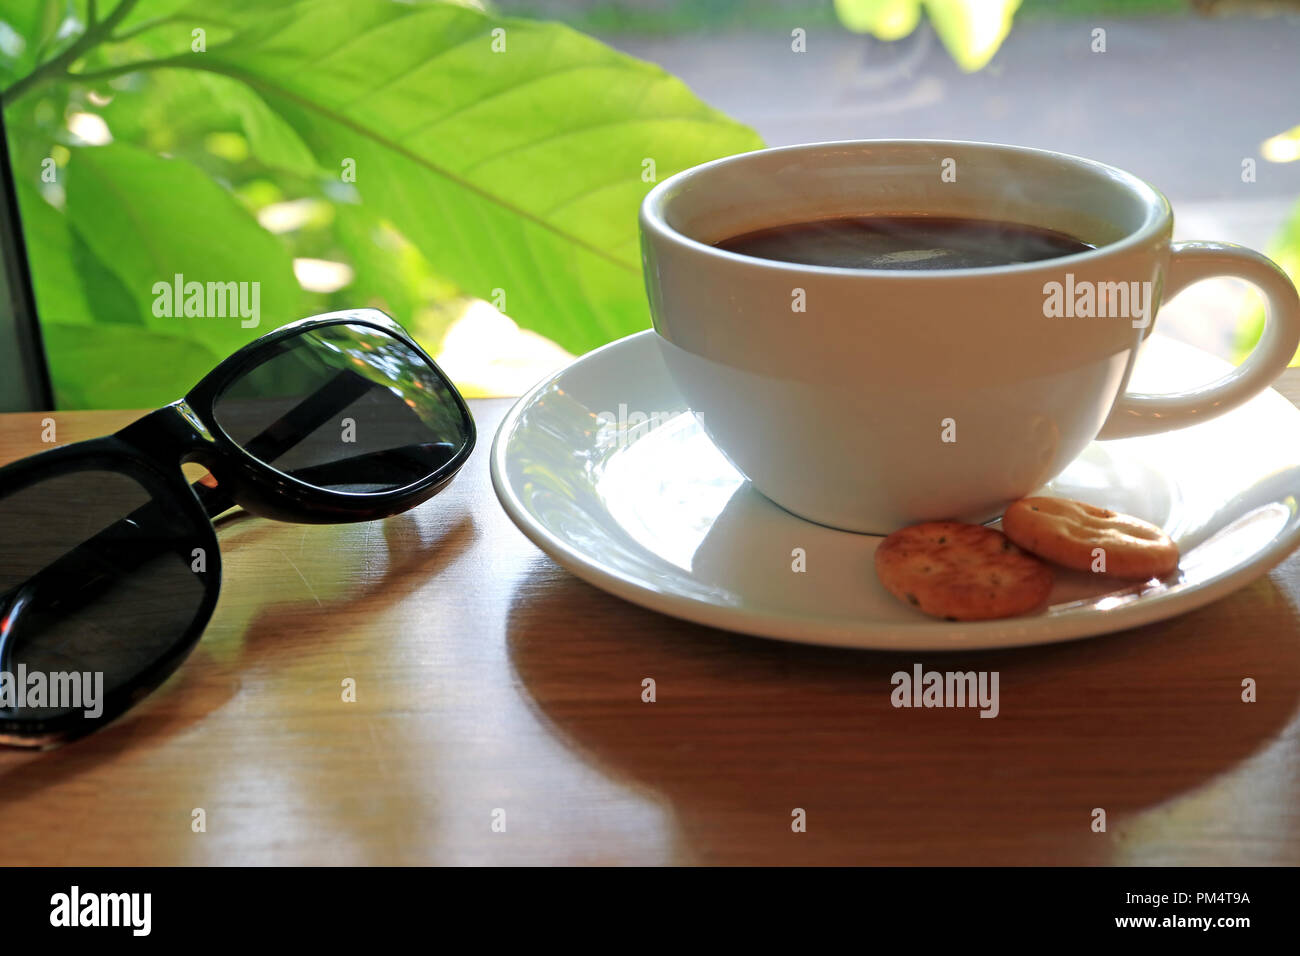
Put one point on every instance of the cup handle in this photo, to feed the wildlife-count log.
(1136, 413)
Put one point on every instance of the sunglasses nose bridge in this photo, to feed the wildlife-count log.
(172, 432)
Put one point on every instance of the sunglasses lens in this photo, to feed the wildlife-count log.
(346, 408)
(99, 585)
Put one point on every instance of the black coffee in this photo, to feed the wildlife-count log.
(904, 242)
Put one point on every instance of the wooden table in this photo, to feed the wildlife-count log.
(489, 679)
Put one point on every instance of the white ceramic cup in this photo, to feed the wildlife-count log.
(872, 399)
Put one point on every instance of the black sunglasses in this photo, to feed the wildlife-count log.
(109, 563)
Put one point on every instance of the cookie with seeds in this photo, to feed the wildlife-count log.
(1078, 535)
(962, 572)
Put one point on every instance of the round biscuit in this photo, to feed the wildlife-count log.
(962, 572)
(1069, 533)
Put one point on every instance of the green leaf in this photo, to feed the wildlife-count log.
(177, 108)
(1282, 148)
(1285, 251)
(270, 139)
(884, 19)
(154, 218)
(156, 13)
(478, 168)
(168, 110)
(35, 23)
(118, 366)
(73, 286)
(972, 30)
(382, 278)
(200, 11)
(516, 169)
(168, 26)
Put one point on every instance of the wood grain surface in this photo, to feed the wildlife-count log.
(488, 679)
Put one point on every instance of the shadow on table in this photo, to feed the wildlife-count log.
(744, 730)
(352, 586)
(210, 677)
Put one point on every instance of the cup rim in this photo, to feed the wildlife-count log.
(1159, 213)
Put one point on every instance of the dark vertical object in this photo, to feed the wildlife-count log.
(22, 354)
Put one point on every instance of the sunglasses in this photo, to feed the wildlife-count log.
(109, 563)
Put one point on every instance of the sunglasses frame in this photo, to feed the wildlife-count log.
(151, 451)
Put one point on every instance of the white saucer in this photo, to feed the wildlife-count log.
(654, 514)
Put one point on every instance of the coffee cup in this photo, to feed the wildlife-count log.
(872, 398)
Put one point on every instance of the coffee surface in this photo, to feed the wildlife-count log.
(904, 242)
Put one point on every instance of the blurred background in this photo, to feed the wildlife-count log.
(475, 169)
